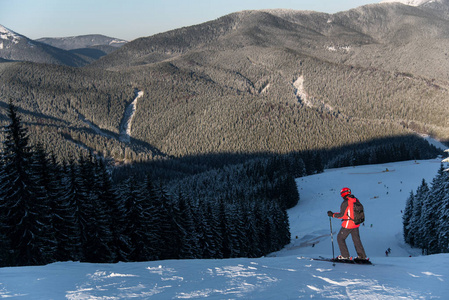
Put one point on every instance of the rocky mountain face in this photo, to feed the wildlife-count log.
(274, 81)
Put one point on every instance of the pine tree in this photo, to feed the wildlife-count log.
(153, 213)
(430, 213)
(189, 238)
(114, 214)
(97, 248)
(443, 215)
(137, 225)
(251, 232)
(45, 190)
(407, 219)
(418, 227)
(169, 230)
(63, 215)
(205, 224)
(74, 203)
(21, 198)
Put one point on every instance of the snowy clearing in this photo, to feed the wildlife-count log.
(125, 126)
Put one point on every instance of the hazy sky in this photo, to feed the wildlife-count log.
(130, 19)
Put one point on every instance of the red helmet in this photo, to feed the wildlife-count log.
(345, 191)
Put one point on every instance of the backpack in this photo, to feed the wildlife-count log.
(359, 214)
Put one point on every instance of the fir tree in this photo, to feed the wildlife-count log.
(114, 214)
(407, 219)
(137, 225)
(417, 228)
(21, 199)
(430, 213)
(97, 248)
(189, 238)
(46, 190)
(63, 215)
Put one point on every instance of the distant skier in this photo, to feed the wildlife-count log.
(348, 226)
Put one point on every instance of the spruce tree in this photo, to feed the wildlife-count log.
(189, 238)
(114, 217)
(137, 224)
(63, 215)
(407, 219)
(45, 189)
(21, 199)
(430, 213)
(417, 220)
(97, 248)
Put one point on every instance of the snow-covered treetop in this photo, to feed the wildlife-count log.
(446, 160)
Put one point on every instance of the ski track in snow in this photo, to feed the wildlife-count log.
(125, 126)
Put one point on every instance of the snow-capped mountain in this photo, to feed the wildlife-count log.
(16, 47)
(8, 37)
(411, 2)
(437, 7)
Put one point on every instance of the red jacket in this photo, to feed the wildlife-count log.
(347, 212)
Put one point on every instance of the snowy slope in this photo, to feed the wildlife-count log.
(287, 274)
(410, 2)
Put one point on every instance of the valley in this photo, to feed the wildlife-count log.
(219, 145)
(268, 81)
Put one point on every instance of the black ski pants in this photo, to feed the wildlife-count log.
(341, 239)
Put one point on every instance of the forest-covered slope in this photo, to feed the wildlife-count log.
(274, 81)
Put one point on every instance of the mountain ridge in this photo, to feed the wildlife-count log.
(17, 47)
(275, 81)
(82, 41)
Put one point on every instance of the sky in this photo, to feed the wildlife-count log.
(130, 19)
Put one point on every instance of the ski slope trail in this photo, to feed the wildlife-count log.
(287, 274)
(125, 126)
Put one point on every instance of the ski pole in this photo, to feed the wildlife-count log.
(332, 238)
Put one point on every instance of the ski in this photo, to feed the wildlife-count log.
(355, 261)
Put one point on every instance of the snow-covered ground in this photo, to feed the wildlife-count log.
(410, 2)
(287, 274)
(125, 126)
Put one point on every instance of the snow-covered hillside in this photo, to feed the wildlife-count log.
(410, 2)
(287, 274)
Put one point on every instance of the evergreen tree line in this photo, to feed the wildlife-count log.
(73, 211)
(267, 179)
(426, 216)
(387, 150)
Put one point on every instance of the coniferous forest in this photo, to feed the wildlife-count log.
(426, 216)
(73, 211)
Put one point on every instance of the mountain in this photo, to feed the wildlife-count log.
(391, 37)
(89, 47)
(267, 81)
(16, 47)
(287, 274)
(410, 2)
(437, 7)
(83, 41)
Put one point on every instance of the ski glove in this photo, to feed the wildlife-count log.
(330, 214)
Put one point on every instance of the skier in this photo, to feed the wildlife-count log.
(348, 226)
